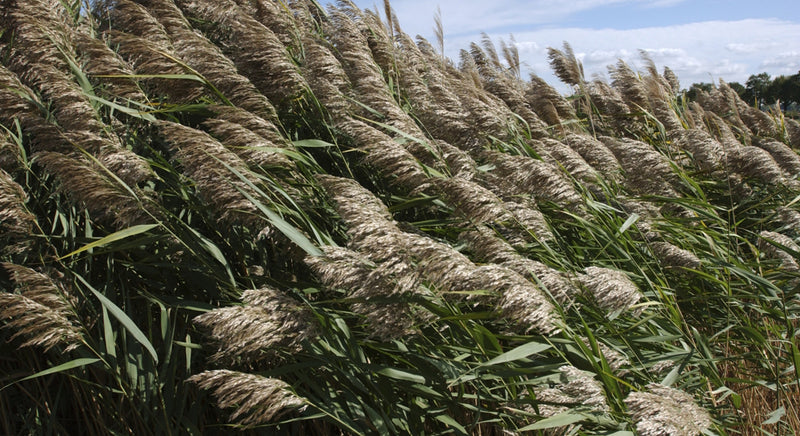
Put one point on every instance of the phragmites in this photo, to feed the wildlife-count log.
(325, 76)
(670, 256)
(629, 84)
(255, 50)
(151, 59)
(576, 387)
(472, 200)
(665, 411)
(41, 312)
(596, 154)
(566, 65)
(707, 152)
(353, 202)
(213, 169)
(375, 235)
(774, 246)
(647, 171)
(99, 60)
(672, 80)
(385, 154)
(521, 302)
(365, 75)
(612, 290)
(16, 222)
(522, 174)
(378, 292)
(269, 323)
(559, 154)
(488, 247)
(611, 105)
(755, 163)
(103, 196)
(784, 156)
(551, 106)
(257, 399)
(254, 149)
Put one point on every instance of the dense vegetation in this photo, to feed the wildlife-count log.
(268, 216)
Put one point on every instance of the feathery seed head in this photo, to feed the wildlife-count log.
(611, 289)
(665, 411)
(268, 321)
(257, 399)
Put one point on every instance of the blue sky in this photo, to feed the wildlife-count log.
(701, 40)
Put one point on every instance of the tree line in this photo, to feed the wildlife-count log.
(762, 89)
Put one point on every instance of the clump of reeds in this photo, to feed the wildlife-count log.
(379, 292)
(523, 174)
(16, 222)
(257, 400)
(41, 312)
(212, 168)
(576, 387)
(707, 152)
(661, 411)
(646, 170)
(268, 324)
(771, 244)
(266, 62)
(89, 184)
(611, 289)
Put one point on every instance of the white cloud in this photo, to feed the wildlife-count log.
(697, 52)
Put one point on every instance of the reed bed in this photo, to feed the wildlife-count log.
(267, 217)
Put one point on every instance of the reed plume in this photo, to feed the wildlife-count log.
(670, 256)
(596, 154)
(257, 400)
(756, 163)
(16, 222)
(566, 65)
(100, 60)
(575, 387)
(256, 51)
(41, 312)
(707, 152)
(559, 154)
(551, 106)
(379, 291)
(672, 80)
(612, 290)
(523, 174)
(252, 148)
(647, 171)
(210, 166)
(766, 243)
(268, 324)
(365, 75)
(783, 155)
(628, 83)
(612, 106)
(663, 411)
(383, 153)
(87, 184)
(486, 246)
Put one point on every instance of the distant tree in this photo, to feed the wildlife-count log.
(739, 88)
(757, 89)
(696, 88)
(785, 88)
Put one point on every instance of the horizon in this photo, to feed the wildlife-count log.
(701, 41)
